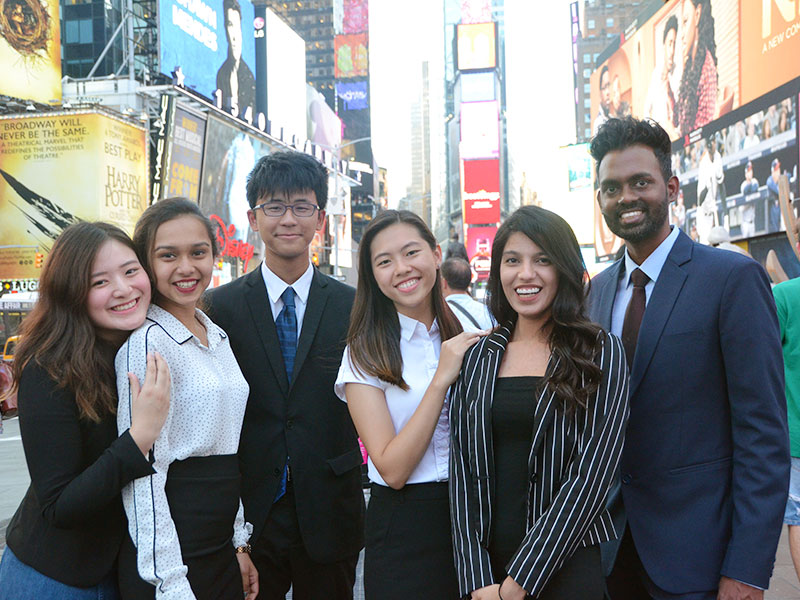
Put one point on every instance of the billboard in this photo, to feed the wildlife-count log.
(340, 222)
(479, 250)
(478, 87)
(323, 126)
(480, 131)
(576, 204)
(351, 56)
(686, 67)
(58, 169)
(212, 48)
(476, 45)
(286, 78)
(352, 101)
(350, 16)
(480, 191)
(476, 11)
(183, 155)
(30, 50)
(230, 154)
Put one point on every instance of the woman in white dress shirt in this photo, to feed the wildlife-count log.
(186, 521)
(404, 350)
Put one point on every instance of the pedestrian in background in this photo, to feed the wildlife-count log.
(188, 537)
(65, 537)
(456, 277)
(405, 348)
(537, 415)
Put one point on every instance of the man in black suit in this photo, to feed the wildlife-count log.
(299, 455)
(705, 466)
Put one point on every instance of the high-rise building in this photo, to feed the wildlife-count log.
(313, 21)
(419, 192)
(601, 25)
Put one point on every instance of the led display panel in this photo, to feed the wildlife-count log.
(480, 131)
(476, 46)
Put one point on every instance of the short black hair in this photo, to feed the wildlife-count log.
(672, 23)
(231, 4)
(603, 71)
(287, 172)
(457, 273)
(619, 134)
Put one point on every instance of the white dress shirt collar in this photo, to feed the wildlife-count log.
(653, 264)
(276, 286)
(408, 326)
(178, 331)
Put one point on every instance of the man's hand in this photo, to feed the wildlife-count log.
(490, 592)
(730, 589)
(511, 590)
(249, 575)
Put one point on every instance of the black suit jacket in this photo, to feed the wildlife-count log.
(302, 418)
(705, 467)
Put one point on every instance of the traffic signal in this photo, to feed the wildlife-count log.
(315, 258)
(38, 261)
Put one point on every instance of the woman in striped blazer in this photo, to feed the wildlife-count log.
(537, 417)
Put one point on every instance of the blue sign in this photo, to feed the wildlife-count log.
(353, 96)
(209, 46)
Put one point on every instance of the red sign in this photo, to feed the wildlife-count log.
(229, 245)
(479, 250)
(480, 191)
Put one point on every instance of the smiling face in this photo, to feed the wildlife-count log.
(633, 196)
(690, 17)
(605, 90)
(405, 269)
(182, 261)
(528, 278)
(669, 49)
(119, 291)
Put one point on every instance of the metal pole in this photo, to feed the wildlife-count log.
(336, 218)
(131, 56)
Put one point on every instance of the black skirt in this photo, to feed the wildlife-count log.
(203, 495)
(408, 547)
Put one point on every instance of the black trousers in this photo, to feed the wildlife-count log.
(409, 549)
(282, 561)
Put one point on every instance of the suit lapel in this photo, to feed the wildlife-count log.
(258, 303)
(607, 293)
(317, 298)
(665, 294)
(545, 409)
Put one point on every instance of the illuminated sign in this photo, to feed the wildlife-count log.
(477, 46)
(480, 191)
(353, 95)
(351, 56)
(480, 131)
(478, 87)
(479, 250)
(228, 244)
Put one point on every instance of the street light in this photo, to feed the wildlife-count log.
(338, 154)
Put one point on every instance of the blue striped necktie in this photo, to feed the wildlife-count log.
(286, 326)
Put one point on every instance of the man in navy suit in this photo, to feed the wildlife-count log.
(705, 468)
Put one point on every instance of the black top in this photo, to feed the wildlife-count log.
(70, 524)
(513, 408)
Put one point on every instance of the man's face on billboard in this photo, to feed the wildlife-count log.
(233, 30)
(605, 90)
(669, 49)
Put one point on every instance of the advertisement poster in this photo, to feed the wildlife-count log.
(577, 205)
(350, 16)
(323, 127)
(184, 156)
(230, 155)
(30, 50)
(351, 55)
(61, 168)
(480, 193)
(476, 46)
(479, 250)
(209, 45)
(340, 223)
(480, 131)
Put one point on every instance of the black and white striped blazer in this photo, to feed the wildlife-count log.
(571, 465)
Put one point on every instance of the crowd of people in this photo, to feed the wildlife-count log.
(626, 439)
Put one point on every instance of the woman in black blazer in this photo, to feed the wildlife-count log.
(64, 539)
(537, 421)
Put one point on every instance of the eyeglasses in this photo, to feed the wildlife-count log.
(278, 209)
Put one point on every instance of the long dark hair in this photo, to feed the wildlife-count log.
(574, 340)
(58, 333)
(144, 235)
(374, 335)
(686, 109)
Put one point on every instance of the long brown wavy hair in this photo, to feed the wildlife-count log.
(574, 339)
(58, 334)
(374, 335)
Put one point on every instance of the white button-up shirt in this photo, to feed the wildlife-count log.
(419, 348)
(276, 286)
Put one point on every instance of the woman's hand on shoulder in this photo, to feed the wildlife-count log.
(149, 402)
(452, 355)
(490, 592)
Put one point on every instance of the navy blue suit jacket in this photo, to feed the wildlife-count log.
(705, 467)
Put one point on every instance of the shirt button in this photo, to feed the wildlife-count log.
(289, 423)
(627, 478)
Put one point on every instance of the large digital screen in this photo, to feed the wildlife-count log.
(480, 130)
(184, 155)
(687, 66)
(210, 46)
(286, 78)
(480, 191)
(323, 126)
(479, 250)
(351, 55)
(352, 101)
(352, 95)
(476, 46)
(350, 16)
(576, 204)
(478, 87)
(30, 50)
(61, 168)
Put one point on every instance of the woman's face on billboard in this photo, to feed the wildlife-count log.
(690, 15)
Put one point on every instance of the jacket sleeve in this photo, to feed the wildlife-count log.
(582, 493)
(751, 350)
(471, 558)
(158, 551)
(69, 492)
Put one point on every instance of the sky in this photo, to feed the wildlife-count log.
(539, 86)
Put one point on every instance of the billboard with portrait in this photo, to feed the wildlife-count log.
(58, 169)
(476, 45)
(480, 131)
(323, 126)
(183, 157)
(209, 45)
(351, 55)
(480, 191)
(30, 50)
(479, 250)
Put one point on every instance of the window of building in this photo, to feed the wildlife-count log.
(594, 57)
(587, 88)
(587, 117)
(78, 31)
(587, 132)
(610, 22)
(587, 72)
(587, 103)
(587, 58)
(590, 24)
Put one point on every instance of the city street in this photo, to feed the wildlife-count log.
(15, 481)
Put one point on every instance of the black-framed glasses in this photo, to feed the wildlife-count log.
(278, 209)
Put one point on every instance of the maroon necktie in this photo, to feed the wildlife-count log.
(634, 314)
